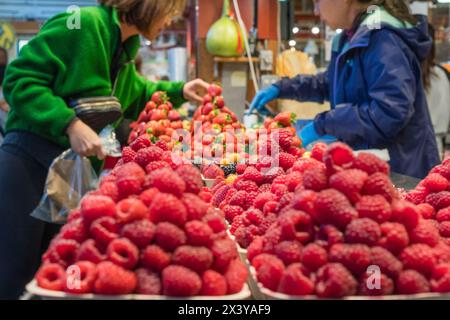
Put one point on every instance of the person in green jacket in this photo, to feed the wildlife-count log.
(71, 58)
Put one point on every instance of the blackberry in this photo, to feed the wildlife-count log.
(229, 169)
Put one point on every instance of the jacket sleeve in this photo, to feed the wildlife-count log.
(305, 88)
(144, 90)
(391, 82)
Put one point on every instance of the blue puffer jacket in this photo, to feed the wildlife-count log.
(376, 93)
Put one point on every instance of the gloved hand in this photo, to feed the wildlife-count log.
(309, 134)
(262, 98)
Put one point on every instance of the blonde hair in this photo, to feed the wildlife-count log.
(142, 13)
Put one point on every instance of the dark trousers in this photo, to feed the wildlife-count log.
(24, 162)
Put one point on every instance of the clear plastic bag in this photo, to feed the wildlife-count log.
(69, 178)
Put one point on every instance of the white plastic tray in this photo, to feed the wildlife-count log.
(33, 289)
(267, 294)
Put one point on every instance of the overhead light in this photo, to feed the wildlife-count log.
(295, 30)
(292, 43)
(148, 43)
(315, 30)
(338, 31)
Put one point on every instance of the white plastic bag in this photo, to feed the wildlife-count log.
(69, 178)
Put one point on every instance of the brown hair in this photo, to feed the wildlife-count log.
(400, 10)
(142, 13)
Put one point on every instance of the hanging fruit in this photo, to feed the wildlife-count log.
(225, 37)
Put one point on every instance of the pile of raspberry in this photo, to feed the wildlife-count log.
(146, 230)
(432, 197)
(346, 232)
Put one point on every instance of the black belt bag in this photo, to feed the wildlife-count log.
(97, 112)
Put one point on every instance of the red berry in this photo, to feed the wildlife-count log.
(405, 213)
(168, 236)
(375, 285)
(128, 154)
(332, 207)
(318, 151)
(167, 207)
(374, 207)
(180, 281)
(142, 141)
(335, 281)
(139, 232)
(155, 258)
(294, 282)
(224, 251)
(314, 256)
(364, 230)
(443, 215)
(89, 251)
(146, 155)
(168, 181)
(270, 272)
(439, 200)
(394, 237)
(75, 230)
(444, 229)
(123, 253)
(94, 207)
(198, 259)
(315, 179)
(130, 179)
(51, 276)
(289, 251)
(236, 276)
(296, 225)
(131, 209)
(330, 235)
(355, 257)
(213, 284)
(113, 279)
(81, 277)
(411, 282)
(434, 182)
(386, 261)
(191, 177)
(379, 183)
(425, 232)
(338, 155)
(370, 163)
(104, 230)
(148, 282)
(196, 208)
(215, 222)
(198, 233)
(440, 278)
(426, 211)
(349, 182)
(418, 257)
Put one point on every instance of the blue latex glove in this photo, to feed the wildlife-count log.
(309, 134)
(262, 98)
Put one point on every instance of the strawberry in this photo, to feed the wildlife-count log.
(285, 119)
(159, 97)
(214, 90)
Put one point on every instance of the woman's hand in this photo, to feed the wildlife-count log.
(190, 90)
(84, 140)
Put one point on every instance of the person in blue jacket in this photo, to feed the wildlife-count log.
(374, 84)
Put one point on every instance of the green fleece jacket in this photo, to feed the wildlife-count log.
(62, 63)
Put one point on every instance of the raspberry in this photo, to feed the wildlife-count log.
(355, 257)
(314, 256)
(379, 183)
(213, 284)
(279, 190)
(338, 155)
(141, 142)
(168, 181)
(131, 209)
(63, 251)
(206, 196)
(212, 171)
(139, 232)
(270, 271)
(418, 257)
(265, 188)
(180, 281)
(254, 216)
(123, 253)
(305, 164)
(411, 282)
(417, 195)
(286, 160)
(426, 211)
(252, 174)
(74, 215)
(130, 179)
(274, 175)
(370, 163)
(191, 177)
(374, 207)
(439, 200)
(270, 207)
(155, 258)
(443, 215)
(128, 154)
(405, 213)
(272, 237)
(318, 151)
(284, 137)
(440, 278)
(425, 232)
(444, 229)
(196, 207)
(236, 276)
(296, 225)
(330, 235)
(315, 179)
(293, 179)
(90, 252)
(148, 195)
(294, 282)
(255, 248)
(434, 182)
(198, 233)
(84, 278)
(104, 230)
(94, 207)
(108, 189)
(224, 251)
(368, 285)
(156, 165)
(75, 230)
(246, 185)
(219, 195)
(349, 182)
(146, 155)
(166, 207)
(113, 279)
(245, 235)
(289, 251)
(148, 282)
(239, 199)
(304, 200)
(231, 212)
(198, 259)
(240, 168)
(215, 222)
(332, 207)
(335, 281)
(51, 276)
(364, 231)
(386, 261)
(394, 237)
(168, 236)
